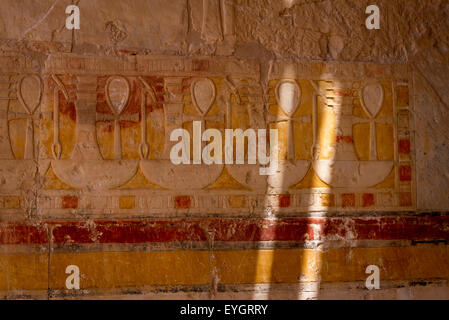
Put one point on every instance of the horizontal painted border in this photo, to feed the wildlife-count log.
(108, 270)
(415, 228)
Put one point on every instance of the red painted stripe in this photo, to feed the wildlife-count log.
(23, 234)
(428, 228)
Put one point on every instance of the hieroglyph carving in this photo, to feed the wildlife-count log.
(339, 122)
(57, 147)
(29, 93)
(117, 97)
(288, 97)
(344, 169)
(21, 90)
(144, 148)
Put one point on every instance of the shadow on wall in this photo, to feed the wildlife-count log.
(291, 265)
(299, 261)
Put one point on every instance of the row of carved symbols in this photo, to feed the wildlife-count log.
(343, 168)
(93, 172)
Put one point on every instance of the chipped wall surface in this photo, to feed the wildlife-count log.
(86, 177)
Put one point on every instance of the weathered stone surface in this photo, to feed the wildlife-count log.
(85, 171)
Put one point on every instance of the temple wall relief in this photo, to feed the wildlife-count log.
(89, 127)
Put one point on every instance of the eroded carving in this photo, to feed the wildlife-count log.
(343, 168)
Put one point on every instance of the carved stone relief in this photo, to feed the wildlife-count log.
(105, 125)
(20, 100)
(214, 21)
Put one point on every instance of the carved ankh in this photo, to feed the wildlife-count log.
(29, 92)
(288, 96)
(117, 97)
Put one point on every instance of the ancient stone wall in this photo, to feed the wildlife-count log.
(86, 177)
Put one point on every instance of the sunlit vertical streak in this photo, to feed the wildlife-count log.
(312, 260)
(266, 258)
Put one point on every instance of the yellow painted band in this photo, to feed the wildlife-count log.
(169, 268)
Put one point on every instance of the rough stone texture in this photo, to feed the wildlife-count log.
(109, 200)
